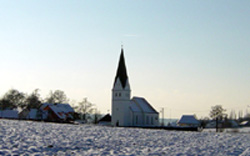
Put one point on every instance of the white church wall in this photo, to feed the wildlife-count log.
(151, 120)
(138, 119)
(120, 104)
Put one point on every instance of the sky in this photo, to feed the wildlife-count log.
(183, 56)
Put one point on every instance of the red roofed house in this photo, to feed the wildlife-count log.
(57, 112)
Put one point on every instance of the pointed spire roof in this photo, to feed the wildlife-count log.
(121, 72)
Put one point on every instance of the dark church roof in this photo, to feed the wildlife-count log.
(121, 71)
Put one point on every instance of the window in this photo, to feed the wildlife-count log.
(120, 94)
(136, 119)
(115, 94)
(152, 120)
(147, 120)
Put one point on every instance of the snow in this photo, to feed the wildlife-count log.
(38, 138)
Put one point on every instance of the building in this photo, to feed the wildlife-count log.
(29, 114)
(188, 121)
(126, 111)
(9, 114)
(105, 121)
(57, 112)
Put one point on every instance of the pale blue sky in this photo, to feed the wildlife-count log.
(183, 55)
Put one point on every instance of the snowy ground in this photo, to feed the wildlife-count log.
(36, 138)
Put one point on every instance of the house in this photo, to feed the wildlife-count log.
(29, 114)
(105, 121)
(9, 114)
(126, 111)
(188, 121)
(223, 124)
(57, 112)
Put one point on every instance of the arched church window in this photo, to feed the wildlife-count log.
(115, 94)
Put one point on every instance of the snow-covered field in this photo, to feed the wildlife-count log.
(36, 138)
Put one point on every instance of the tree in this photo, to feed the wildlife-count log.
(85, 108)
(57, 96)
(232, 115)
(97, 116)
(217, 113)
(33, 100)
(240, 115)
(5, 104)
(13, 99)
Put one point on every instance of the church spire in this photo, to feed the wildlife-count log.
(121, 72)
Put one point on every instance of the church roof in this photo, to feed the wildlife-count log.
(121, 72)
(140, 104)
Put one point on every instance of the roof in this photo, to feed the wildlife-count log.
(9, 113)
(106, 118)
(121, 72)
(188, 119)
(60, 109)
(139, 104)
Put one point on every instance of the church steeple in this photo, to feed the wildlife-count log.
(121, 72)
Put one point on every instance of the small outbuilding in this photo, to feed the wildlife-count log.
(105, 121)
(9, 114)
(29, 114)
(188, 121)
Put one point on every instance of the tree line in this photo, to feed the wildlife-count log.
(14, 98)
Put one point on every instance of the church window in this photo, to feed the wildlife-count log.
(120, 94)
(115, 94)
(147, 120)
(152, 120)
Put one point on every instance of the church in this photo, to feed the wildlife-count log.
(127, 112)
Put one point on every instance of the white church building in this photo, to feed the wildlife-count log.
(135, 112)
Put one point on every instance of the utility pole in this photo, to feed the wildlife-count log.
(162, 111)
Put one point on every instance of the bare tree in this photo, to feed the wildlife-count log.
(240, 115)
(57, 96)
(97, 116)
(232, 115)
(217, 113)
(85, 108)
